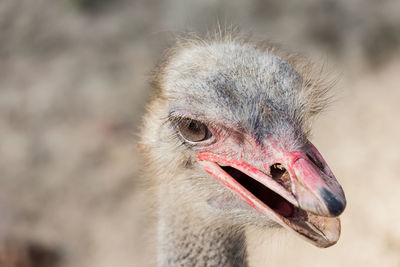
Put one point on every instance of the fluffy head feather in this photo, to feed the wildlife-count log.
(251, 85)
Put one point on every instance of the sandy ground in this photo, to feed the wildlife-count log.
(73, 85)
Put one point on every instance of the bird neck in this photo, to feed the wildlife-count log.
(187, 238)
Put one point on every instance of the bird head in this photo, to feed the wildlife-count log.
(238, 119)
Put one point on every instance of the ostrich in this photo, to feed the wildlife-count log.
(225, 141)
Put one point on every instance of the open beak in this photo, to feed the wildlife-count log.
(296, 189)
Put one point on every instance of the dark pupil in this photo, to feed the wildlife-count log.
(194, 127)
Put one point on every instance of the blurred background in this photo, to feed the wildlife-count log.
(73, 86)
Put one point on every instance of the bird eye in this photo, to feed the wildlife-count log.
(193, 131)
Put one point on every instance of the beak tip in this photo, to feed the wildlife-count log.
(335, 204)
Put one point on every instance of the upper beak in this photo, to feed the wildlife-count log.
(313, 184)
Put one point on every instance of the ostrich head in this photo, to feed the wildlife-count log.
(229, 128)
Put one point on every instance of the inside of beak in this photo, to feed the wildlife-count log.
(263, 193)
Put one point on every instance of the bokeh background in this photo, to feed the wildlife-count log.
(73, 86)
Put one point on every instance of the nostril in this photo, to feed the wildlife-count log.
(316, 162)
(277, 170)
(279, 173)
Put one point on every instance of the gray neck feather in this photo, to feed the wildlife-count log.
(190, 238)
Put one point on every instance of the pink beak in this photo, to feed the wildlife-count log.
(308, 192)
(314, 185)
